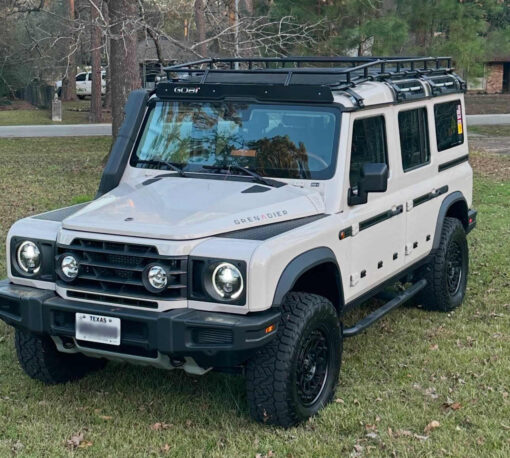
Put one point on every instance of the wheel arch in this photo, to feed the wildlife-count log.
(454, 206)
(315, 271)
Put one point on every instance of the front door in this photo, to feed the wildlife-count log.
(378, 226)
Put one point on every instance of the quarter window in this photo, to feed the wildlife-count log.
(414, 140)
(449, 125)
(368, 145)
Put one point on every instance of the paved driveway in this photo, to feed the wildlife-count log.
(93, 130)
(65, 130)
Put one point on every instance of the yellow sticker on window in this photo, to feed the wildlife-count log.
(460, 128)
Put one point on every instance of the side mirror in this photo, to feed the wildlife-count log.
(374, 178)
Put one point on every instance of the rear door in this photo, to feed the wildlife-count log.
(429, 134)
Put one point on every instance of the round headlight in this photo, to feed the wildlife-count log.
(157, 277)
(227, 281)
(69, 267)
(29, 257)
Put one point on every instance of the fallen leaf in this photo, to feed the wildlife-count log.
(165, 448)
(160, 426)
(339, 401)
(77, 441)
(420, 438)
(105, 417)
(403, 432)
(85, 444)
(432, 425)
(434, 347)
(373, 436)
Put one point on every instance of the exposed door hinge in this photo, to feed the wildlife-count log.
(409, 249)
(355, 229)
(409, 205)
(354, 279)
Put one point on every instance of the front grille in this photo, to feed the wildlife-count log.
(115, 269)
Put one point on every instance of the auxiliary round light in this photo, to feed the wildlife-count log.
(227, 281)
(29, 257)
(69, 267)
(157, 277)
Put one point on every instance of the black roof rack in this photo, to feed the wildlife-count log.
(336, 73)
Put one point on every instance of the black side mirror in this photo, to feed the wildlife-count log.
(374, 178)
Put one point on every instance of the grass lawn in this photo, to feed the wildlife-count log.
(491, 131)
(487, 103)
(73, 113)
(410, 369)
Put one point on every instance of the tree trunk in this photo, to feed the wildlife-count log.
(124, 70)
(107, 103)
(96, 109)
(248, 6)
(201, 27)
(69, 81)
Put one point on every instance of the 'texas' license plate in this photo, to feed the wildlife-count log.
(97, 328)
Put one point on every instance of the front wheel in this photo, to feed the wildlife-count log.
(447, 273)
(295, 375)
(40, 359)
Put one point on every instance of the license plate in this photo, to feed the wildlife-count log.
(99, 329)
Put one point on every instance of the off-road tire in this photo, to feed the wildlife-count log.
(40, 359)
(272, 375)
(439, 294)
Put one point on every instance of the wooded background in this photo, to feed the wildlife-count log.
(47, 40)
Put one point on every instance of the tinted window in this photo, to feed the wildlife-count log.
(414, 139)
(285, 141)
(81, 77)
(449, 125)
(368, 145)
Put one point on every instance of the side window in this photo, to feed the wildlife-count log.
(368, 145)
(449, 125)
(414, 138)
(81, 77)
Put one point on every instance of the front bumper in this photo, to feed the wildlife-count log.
(211, 339)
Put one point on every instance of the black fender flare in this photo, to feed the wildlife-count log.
(300, 265)
(447, 203)
(134, 111)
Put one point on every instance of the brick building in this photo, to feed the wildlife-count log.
(498, 75)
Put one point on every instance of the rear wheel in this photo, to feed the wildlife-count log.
(295, 375)
(40, 359)
(448, 271)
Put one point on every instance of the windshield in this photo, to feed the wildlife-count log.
(283, 141)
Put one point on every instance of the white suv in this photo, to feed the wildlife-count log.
(243, 211)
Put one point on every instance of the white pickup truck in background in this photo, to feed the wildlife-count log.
(84, 84)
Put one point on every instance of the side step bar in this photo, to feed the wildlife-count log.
(376, 315)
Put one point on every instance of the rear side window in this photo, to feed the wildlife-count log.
(414, 139)
(368, 145)
(449, 125)
(81, 77)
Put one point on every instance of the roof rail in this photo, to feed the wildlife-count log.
(341, 72)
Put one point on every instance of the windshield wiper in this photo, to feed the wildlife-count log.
(170, 165)
(256, 177)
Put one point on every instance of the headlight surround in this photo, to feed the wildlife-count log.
(28, 257)
(46, 269)
(220, 281)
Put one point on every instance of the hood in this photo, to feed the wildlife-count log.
(175, 208)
